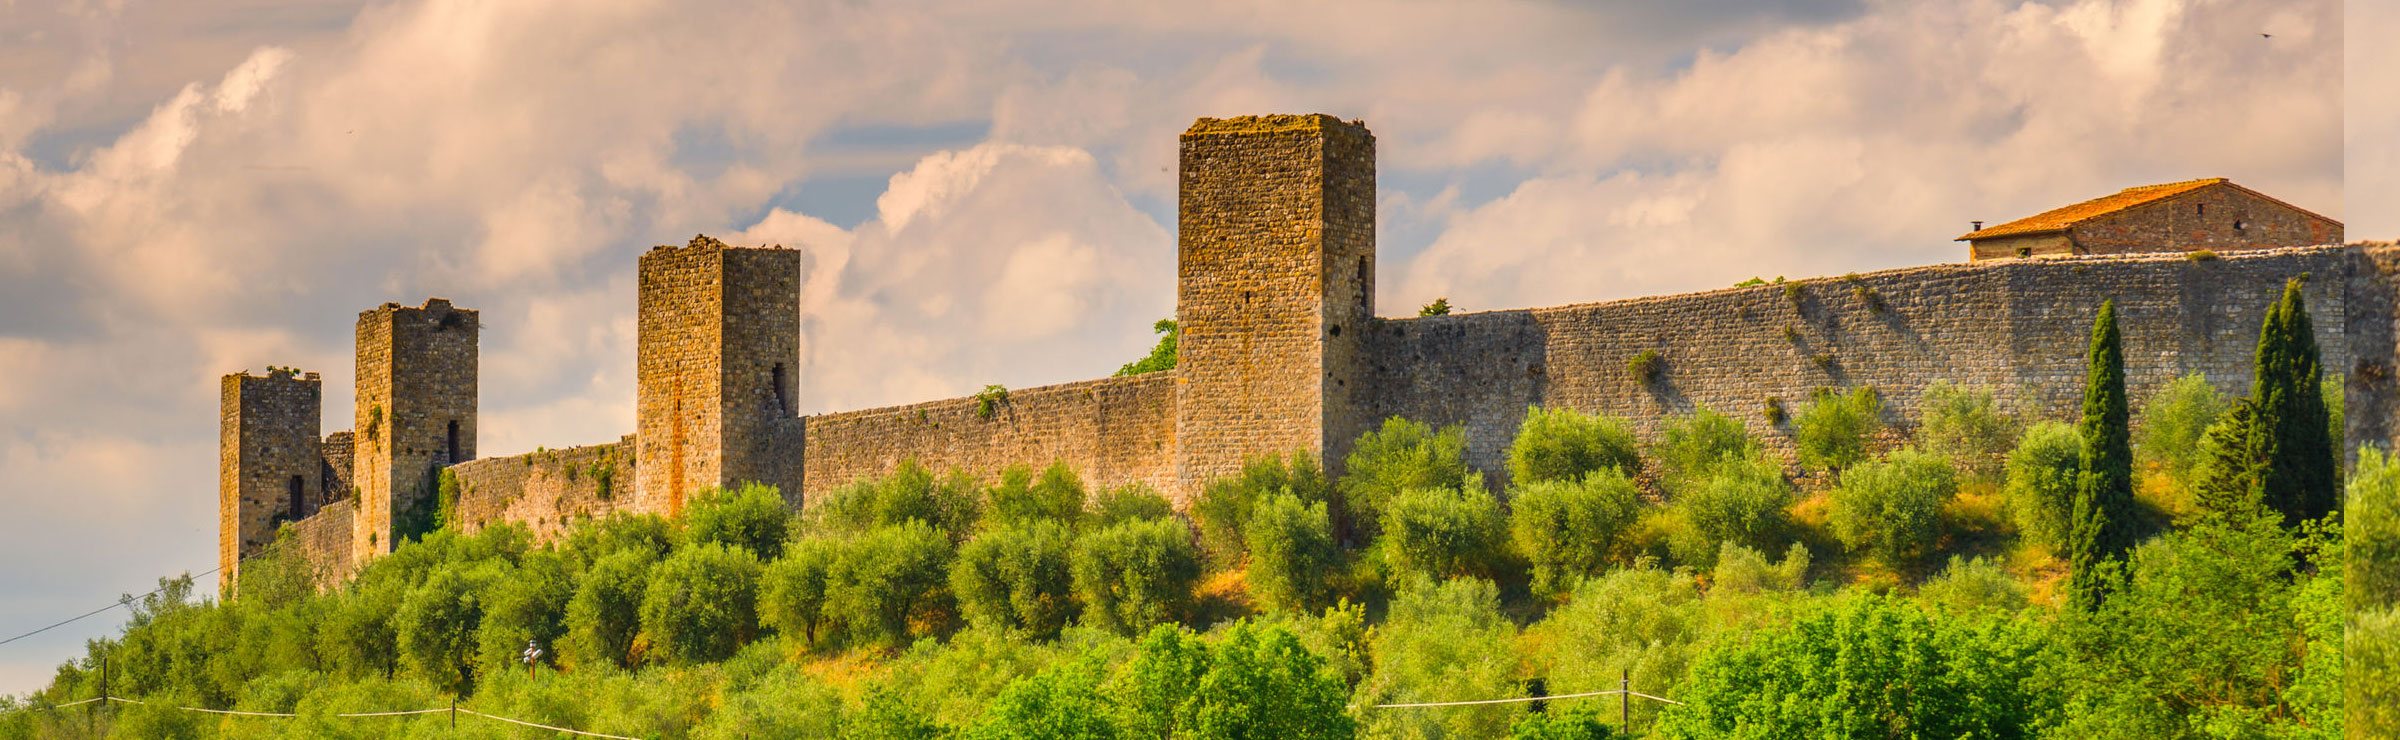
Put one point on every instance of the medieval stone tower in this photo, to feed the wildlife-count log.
(416, 414)
(268, 466)
(718, 368)
(1275, 289)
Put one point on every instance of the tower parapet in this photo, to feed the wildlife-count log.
(718, 365)
(416, 415)
(1275, 289)
(269, 468)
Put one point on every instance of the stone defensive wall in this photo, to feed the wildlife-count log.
(1113, 431)
(2019, 327)
(324, 538)
(546, 490)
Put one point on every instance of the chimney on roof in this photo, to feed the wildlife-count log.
(1978, 225)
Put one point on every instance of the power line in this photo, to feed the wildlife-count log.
(122, 601)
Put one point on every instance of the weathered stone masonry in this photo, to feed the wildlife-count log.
(268, 462)
(1279, 352)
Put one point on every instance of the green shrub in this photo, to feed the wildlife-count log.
(791, 590)
(1445, 642)
(591, 540)
(1645, 366)
(702, 603)
(1641, 623)
(2172, 423)
(1292, 554)
(1020, 499)
(751, 517)
(606, 612)
(949, 503)
(1400, 456)
(1892, 507)
(1256, 681)
(529, 606)
(1840, 673)
(1223, 509)
(1966, 425)
(888, 581)
(1833, 431)
(1439, 307)
(1442, 533)
(1690, 447)
(1567, 530)
(1565, 722)
(436, 624)
(1563, 444)
(2373, 532)
(1742, 501)
(1743, 570)
(1129, 502)
(1135, 574)
(2372, 656)
(1064, 702)
(1973, 584)
(1017, 577)
(2041, 482)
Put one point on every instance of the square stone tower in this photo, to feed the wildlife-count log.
(416, 415)
(718, 367)
(269, 470)
(1275, 289)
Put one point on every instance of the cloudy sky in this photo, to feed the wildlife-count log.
(986, 190)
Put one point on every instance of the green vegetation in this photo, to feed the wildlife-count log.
(2298, 477)
(1925, 584)
(1645, 365)
(2100, 524)
(1162, 356)
(989, 401)
(1439, 307)
(1834, 430)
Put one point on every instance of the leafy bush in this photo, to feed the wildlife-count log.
(791, 590)
(1223, 509)
(1564, 722)
(1743, 570)
(1645, 366)
(1256, 681)
(437, 622)
(887, 580)
(2373, 516)
(1973, 584)
(1965, 425)
(606, 612)
(702, 603)
(2172, 423)
(1135, 574)
(1563, 444)
(591, 540)
(2372, 656)
(1690, 447)
(1020, 499)
(1446, 642)
(1063, 702)
(1017, 577)
(949, 503)
(1892, 507)
(1400, 456)
(1641, 623)
(1291, 553)
(1566, 530)
(2041, 482)
(1441, 533)
(1742, 501)
(1838, 673)
(1833, 430)
(751, 517)
(1129, 502)
(528, 607)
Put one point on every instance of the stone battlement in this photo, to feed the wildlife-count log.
(1280, 351)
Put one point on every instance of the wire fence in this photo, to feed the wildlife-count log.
(453, 710)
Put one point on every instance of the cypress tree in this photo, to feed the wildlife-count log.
(2100, 529)
(2295, 442)
(2225, 475)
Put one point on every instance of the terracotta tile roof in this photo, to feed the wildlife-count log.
(2058, 219)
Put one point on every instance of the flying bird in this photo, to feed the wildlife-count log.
(2266, 35)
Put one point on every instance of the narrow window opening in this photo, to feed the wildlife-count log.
(453, 442)
(2200, 209)
(2238, 225)
(296, 510)
(1337, 330)
(783, 401)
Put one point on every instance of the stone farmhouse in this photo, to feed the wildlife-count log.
(1281, 351)
(2211, 214)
